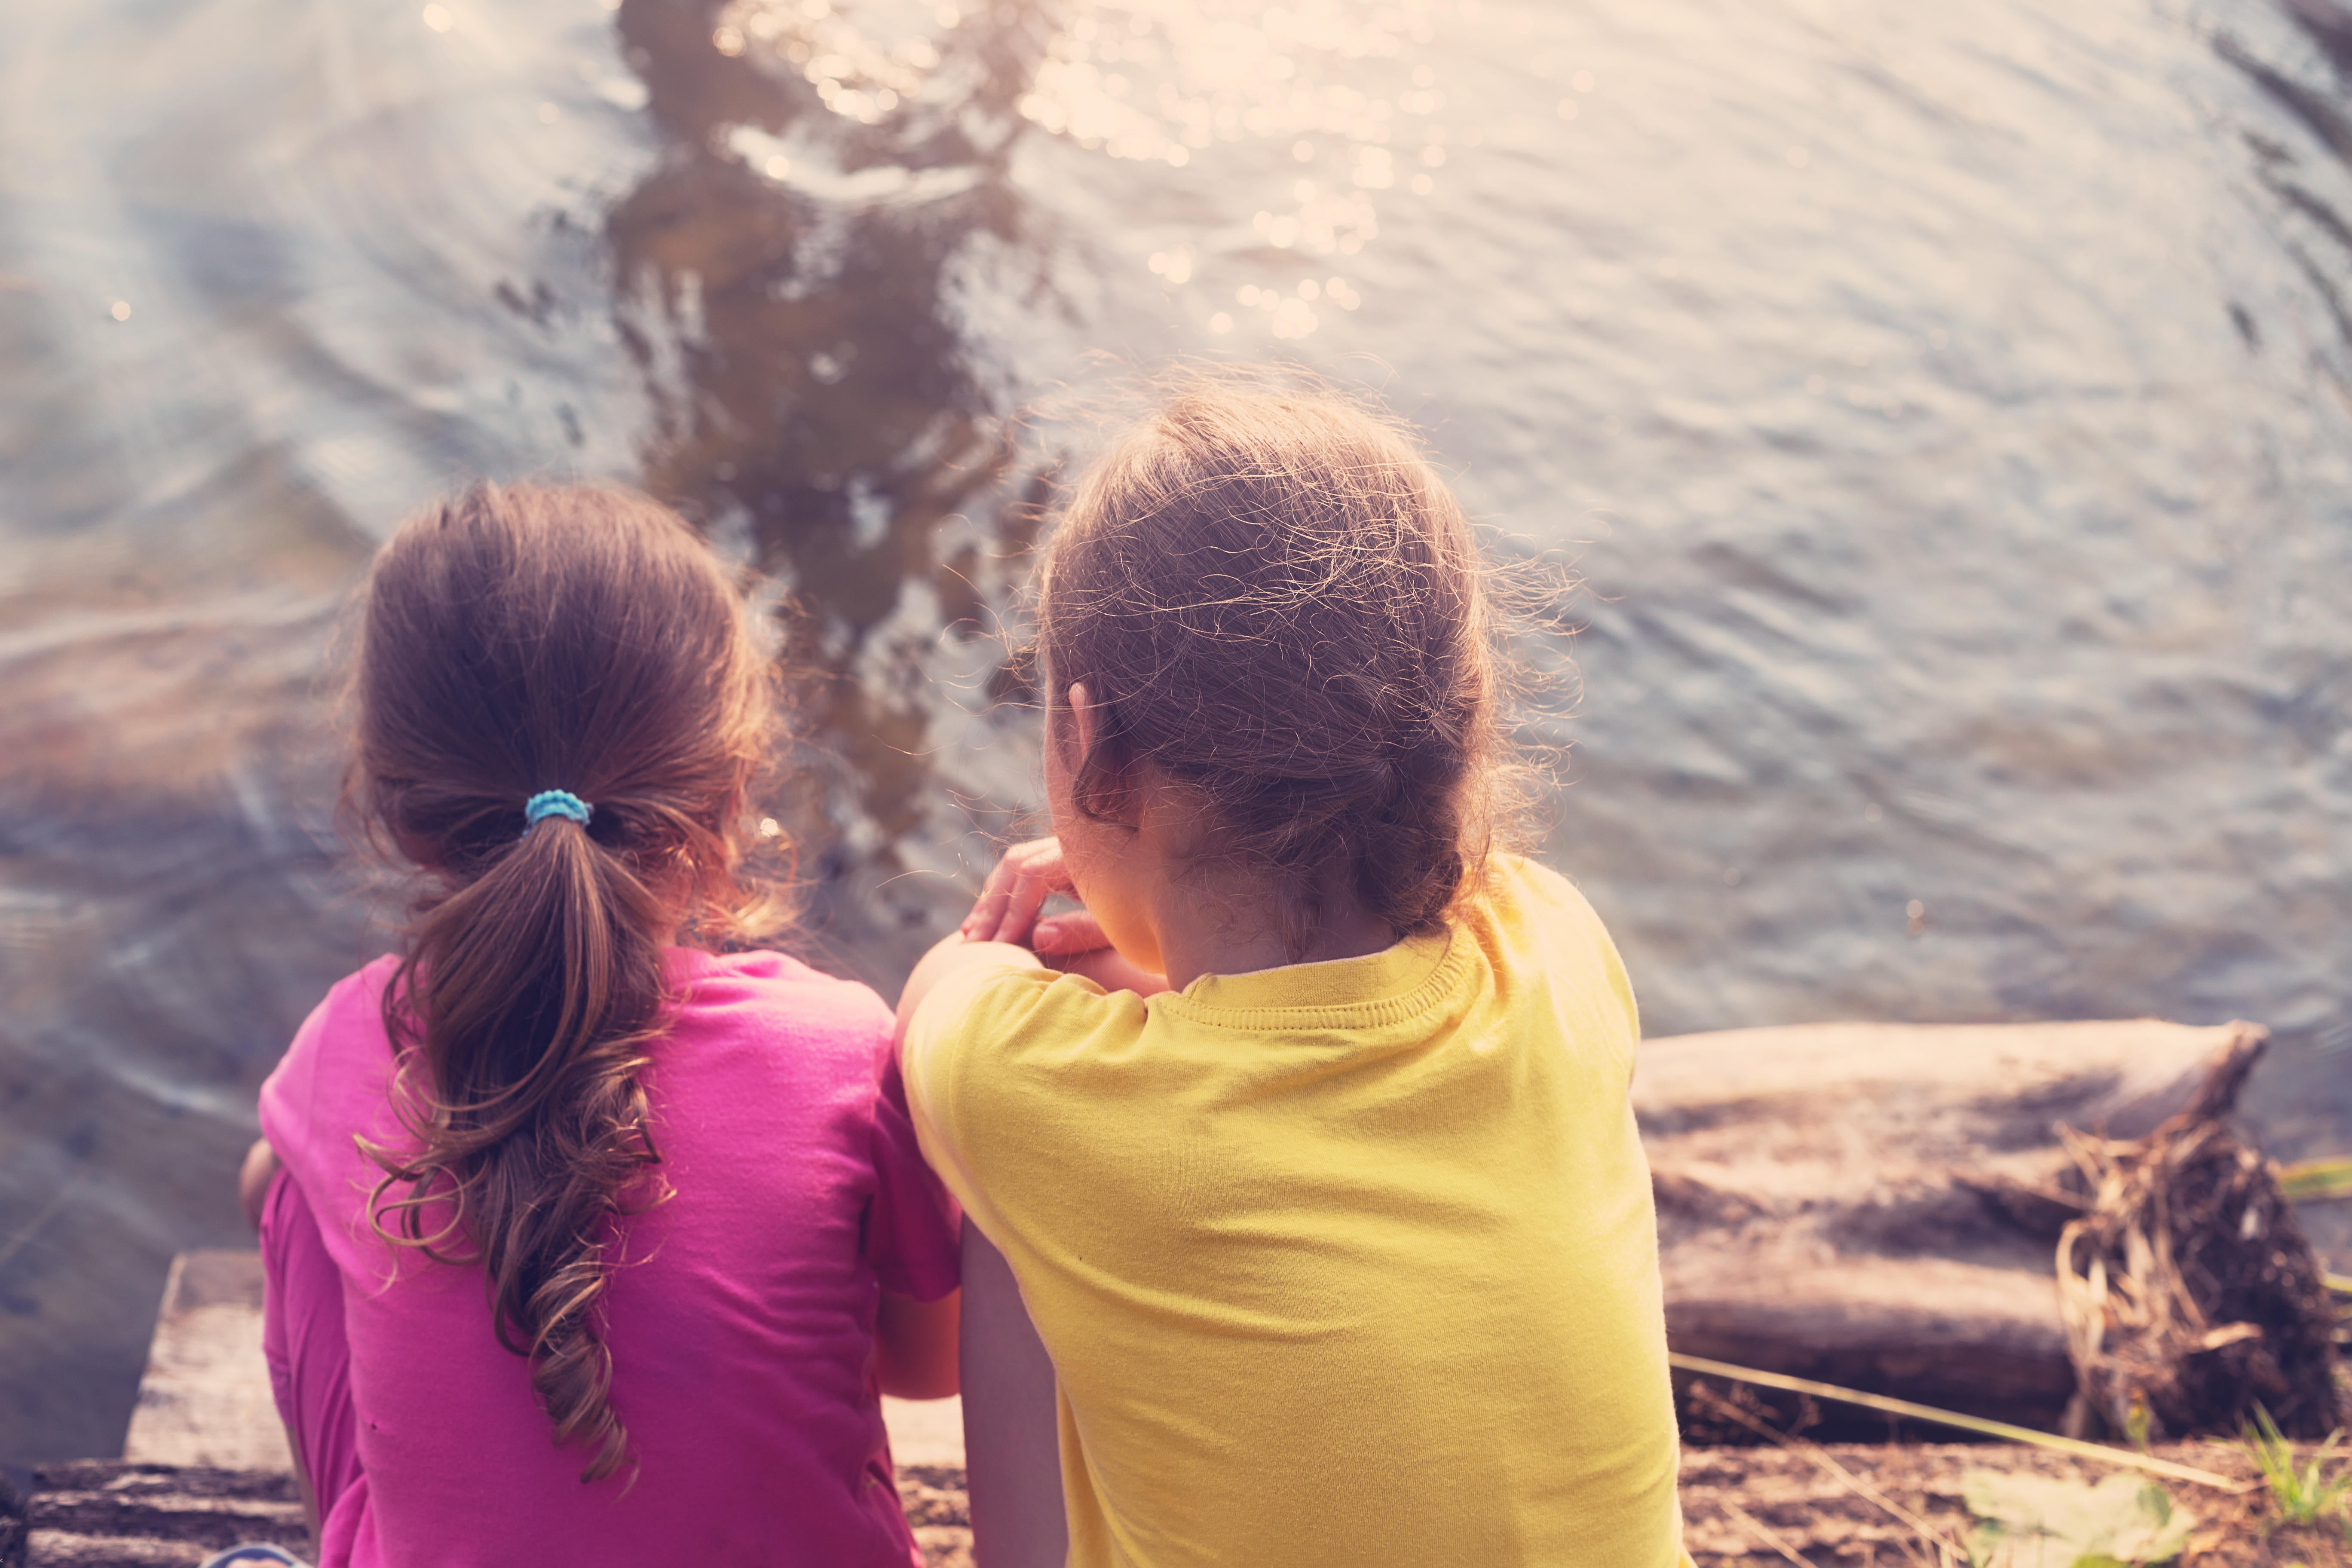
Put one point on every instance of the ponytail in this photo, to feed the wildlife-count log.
(514, 639)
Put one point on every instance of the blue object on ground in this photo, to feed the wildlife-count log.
(254, 1551)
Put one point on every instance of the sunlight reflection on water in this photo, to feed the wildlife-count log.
(1947, 410)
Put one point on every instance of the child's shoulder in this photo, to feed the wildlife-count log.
(777, 989)
(352, 1005)
(1002, 1003)
(1518, 887)
(1538, 922)
(339, 1063)
(1024, 1022)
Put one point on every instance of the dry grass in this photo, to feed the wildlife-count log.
(2189, 1292)
(1827, 1519)
(1846, 1505)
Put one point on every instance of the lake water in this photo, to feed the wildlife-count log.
(1946, 409)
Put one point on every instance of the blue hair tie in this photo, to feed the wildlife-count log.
(555, 803)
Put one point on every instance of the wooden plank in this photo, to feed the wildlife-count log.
(204, 1400)
(110, 1513)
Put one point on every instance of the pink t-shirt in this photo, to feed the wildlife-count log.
(741, 1324)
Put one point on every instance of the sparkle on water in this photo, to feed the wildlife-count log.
(1165, 82)
(1947, 405)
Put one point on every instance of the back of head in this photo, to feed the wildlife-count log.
(1279, 605)
(515, 641)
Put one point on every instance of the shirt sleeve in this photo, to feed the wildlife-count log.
(913, 1230)
(979, 1010)
(1574, 945)
(336, 1064)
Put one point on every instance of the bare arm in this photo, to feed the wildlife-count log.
(1107, 968)
(1010, 909)
(915, 1342)
(253, 1180)
(1012, 1427)
(915, 1346)
(1012, 1420)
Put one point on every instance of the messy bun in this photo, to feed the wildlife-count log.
(1278, 604)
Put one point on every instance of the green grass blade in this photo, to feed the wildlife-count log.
(2315, 1181)
(2122, 1458)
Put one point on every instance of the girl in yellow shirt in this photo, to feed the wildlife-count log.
(1307, 1219)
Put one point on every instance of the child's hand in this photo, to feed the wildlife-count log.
(253, 1180)
(1006, 910)
(1008, 904)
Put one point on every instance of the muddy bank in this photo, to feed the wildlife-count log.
(1741, 1506)
(180, 1493)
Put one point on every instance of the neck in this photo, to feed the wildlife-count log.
(1219, 930)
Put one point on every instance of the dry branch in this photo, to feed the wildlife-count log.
(2188, 1290)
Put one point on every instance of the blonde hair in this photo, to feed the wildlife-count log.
(1279, 604)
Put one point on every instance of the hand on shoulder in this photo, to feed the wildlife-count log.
(1008, 912)
(1007, 907)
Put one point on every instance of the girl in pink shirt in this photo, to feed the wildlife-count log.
(586, 1242)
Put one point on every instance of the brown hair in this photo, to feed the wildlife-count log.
(1278, 604)
(516, 640)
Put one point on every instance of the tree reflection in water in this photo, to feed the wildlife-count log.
(787, 279)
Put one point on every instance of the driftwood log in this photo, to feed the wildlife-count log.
(1875, 1205)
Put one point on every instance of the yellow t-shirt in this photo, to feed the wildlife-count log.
(1344, 1262)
